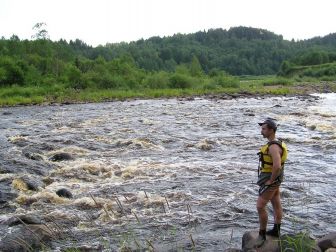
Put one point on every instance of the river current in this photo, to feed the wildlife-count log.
(167, 174)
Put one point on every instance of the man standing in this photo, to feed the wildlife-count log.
(272, 157)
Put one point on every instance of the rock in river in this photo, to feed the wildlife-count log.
(63, 192)
(62, 156)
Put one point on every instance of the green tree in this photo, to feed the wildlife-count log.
(10, 72)
(195, 67)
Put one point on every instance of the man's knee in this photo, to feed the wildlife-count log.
(261, 205)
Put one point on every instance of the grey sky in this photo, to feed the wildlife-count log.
(102, 21)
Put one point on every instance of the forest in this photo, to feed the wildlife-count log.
(205, 60)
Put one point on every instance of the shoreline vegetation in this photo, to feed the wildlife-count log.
(238, 62)
(248, 86)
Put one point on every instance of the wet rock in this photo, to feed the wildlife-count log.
(249, 240)
(7, 113)
(11, 164)
(32, 153)
(22, 219)
(249, 114)
(63, 192)
(205, 145)
(331, 250)
(26, 238)
(328, 241)
(33, 183)
(45, 147)
(297, 114)
(62, 156)
(233, 250)
(48, 180)
(118, 173)
(6, 193)
(312, 127)
(4, 170)
(20, 141)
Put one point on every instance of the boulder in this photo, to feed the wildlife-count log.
(249, 240)
(26, 238)
(62, 156)
(328, 241)
(63, 192)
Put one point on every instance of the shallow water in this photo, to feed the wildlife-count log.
(183, 171)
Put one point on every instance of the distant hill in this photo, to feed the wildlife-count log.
(238, 51)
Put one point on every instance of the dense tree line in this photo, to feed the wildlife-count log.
(174, 61)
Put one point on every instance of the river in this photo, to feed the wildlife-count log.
(170, 174)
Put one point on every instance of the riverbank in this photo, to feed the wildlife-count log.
(41, 95)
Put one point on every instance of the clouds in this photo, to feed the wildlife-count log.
(101, 21)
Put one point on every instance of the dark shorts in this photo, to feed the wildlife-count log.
(265, 176)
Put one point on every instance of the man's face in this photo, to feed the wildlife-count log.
(265, 131)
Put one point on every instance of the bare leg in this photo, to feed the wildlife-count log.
(261, 205)
(263, 217)
(276, 203)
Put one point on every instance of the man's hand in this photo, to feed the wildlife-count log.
(269, 182)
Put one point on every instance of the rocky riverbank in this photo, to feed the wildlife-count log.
(297, 89)
(287, 242)
(33, 233)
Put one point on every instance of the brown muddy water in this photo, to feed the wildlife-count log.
(166, 174)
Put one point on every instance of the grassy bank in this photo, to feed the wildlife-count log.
(253, 85)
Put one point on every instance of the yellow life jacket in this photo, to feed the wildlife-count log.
(265, 159)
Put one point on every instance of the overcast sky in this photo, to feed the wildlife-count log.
(108, 21)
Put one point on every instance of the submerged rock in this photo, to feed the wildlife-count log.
(63, 192)
(205, 145)
(32, 153)
(62, 156)
(33, 183)
(6, 193)
(27, 182)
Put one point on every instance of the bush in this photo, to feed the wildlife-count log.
(225, 81)
(10, 73)
(178, 80)
(158, 80)
(105, 81)
(278, 81)
(74, 77)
